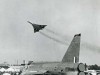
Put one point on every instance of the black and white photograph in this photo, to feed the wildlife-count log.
(49, 37)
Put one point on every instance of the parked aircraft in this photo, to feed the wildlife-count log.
(69, 63)
(37, 27)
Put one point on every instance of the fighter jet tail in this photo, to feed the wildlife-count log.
(72, 54)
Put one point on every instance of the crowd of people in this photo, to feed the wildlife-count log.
(10, 73)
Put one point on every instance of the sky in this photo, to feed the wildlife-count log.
(64, 18)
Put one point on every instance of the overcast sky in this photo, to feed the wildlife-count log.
(63, 17)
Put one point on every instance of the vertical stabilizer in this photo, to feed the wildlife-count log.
(72, 54)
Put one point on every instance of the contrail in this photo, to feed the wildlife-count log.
(52, 31)
(83, 45)
(53, 38)
(90, 47)
(58, 34)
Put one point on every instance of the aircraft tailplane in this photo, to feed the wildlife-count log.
(72, 53)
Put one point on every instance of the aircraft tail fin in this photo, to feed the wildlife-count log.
(72, 53)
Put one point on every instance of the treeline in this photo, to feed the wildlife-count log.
(94, 67)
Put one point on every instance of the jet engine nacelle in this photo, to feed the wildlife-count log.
(81, 69)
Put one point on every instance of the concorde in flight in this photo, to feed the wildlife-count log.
(37, 27)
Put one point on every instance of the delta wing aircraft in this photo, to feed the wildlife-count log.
(70, 62)
(37, 27)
